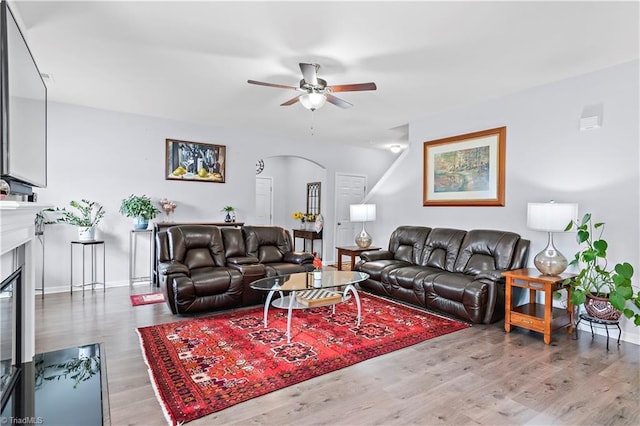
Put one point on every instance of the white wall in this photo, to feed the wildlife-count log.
(106, 156)
(548, 157)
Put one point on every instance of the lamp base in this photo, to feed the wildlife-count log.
(550, 261)
(363, 239)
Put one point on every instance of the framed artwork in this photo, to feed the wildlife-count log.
(465, 170)
(195, 161)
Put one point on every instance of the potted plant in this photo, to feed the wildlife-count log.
(604, 292)
(86, 216)
(229, 210)
(140, 208)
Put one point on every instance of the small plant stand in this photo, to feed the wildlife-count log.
(600, 323)
(93, 260)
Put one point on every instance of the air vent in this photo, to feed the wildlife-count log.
(48, 78)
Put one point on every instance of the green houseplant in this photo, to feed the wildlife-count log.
(597, 286)
(140, 208)
(86, 215)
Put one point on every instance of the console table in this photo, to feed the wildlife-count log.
(163, 226)
(307, 235)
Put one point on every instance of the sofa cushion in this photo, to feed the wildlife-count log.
(456, 294)
(186, 300)
(196, 246)
(215, 280)
(484, 250)
(233, 242)
(269, 254)
(275, 237)
(376, 268)
(442, 247)
(406, 243)
(405, 283)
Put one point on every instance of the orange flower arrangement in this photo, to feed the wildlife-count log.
(317, 263)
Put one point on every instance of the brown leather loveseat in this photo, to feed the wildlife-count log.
(205, 268)
(452, 271)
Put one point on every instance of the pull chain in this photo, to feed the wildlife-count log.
(312, 122)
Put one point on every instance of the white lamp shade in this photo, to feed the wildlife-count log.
(313, 100)
(550, 217)
(362, 212)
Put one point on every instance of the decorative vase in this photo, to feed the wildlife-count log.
(227, 218)
(140, 223)
(167, 216)
(317, 279)
(86, 233)
(600, 308)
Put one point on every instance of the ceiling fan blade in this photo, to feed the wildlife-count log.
(337, 101)
(357, 87)
(279, 86)
(291, 101)
(310, 73)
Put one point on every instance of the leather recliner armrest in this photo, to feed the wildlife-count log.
(173, 267)
(298, 257)
(369, 256)
(493, 275)
(253, 270)
(245, 260)
(250, 272)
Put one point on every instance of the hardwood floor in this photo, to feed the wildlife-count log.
(480, 375)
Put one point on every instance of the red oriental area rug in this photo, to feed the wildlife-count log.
(203, 365)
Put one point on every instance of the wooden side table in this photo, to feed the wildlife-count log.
(540, 317)
(351, 251)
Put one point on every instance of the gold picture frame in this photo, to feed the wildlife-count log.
(465, 170)
(195, 161)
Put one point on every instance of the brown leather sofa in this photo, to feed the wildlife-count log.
(452, 271)
(205, 268)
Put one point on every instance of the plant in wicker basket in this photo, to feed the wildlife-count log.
(605, 293)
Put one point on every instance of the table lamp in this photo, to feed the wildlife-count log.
(362, 213)
(550, 217)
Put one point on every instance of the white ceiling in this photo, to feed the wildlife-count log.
(190, 61)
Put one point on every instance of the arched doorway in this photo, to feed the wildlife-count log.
(288, 176)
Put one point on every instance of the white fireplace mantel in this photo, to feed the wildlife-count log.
(17, 230)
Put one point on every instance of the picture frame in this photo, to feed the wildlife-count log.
(465, 170)
(195, 161)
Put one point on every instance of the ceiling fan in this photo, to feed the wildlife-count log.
(315, 90)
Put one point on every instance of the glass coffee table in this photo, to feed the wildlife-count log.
(308, 289)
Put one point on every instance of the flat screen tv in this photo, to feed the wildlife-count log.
(23, 119)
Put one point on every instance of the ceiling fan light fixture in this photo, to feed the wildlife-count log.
(313, 101)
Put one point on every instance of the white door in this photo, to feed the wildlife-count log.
(264, 201)
(350, 189)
